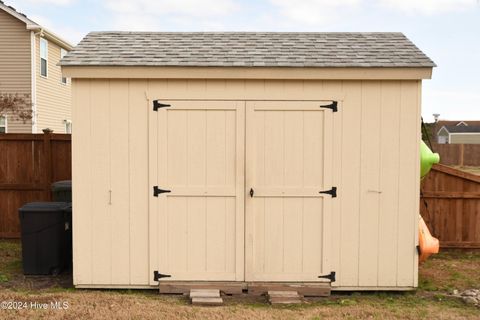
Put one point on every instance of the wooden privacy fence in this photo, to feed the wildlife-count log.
(458, 154)
(29, 164)
(450, 206)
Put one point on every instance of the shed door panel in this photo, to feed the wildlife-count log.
(289, 160)
(199, 225)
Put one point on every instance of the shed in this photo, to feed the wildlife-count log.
(246, 158)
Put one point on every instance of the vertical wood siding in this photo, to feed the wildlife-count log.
(375, 163)
(15, 64)
(53, 97)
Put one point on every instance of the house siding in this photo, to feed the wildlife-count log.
(465, 138)
(53, 97)
(15, 64)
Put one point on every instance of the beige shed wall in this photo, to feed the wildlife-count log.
(465, 138)
(15, 64)
(376, 169)
(53, 97)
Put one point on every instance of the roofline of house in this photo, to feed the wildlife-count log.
(443, 127)
(260, 73)
(464, 133)
(33, 26)
(51, 36)
(450, 133)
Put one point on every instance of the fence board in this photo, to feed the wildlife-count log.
(29, 164)
(450, 206)
(458, 154)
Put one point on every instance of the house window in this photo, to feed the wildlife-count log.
(3, 124)
(63, 53)
(43, 57)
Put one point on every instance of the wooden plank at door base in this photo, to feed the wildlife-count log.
(184, 287)
(308, 289)
(206, 297)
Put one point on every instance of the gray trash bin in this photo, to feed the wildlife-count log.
(62, 191)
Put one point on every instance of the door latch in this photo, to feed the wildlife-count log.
(251, 192)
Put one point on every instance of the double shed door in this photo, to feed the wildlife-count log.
(244, 182)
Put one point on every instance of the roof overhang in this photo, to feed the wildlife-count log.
(266, 73)
(50, 36)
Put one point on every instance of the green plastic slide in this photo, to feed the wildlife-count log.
(427, 159)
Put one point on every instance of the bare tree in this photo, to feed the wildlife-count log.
(16, 105)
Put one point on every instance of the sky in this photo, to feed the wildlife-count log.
(448, 31)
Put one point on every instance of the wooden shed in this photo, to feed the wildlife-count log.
(246, 159)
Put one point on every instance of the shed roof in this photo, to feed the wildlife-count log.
(247, 49)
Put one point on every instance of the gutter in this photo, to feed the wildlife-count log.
(50, 36)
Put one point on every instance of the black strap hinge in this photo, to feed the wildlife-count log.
(157, 275)
(330, 276)
(333, 106)
(157, 191)
(157, 105)
(332, 192)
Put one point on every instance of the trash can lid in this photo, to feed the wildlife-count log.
(43, 206)
(62, 185)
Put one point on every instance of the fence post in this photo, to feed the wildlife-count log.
(462, 154)
(47, 156)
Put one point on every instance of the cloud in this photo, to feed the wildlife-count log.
(72, 35)
(429, 7)
(193, 8)
(54, 2)
(315, 12)
(169, 14)
(441, 101)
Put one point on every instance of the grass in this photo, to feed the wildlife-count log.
(438, 277)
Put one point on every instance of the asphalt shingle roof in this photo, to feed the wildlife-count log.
(463, 129)
(246, 49)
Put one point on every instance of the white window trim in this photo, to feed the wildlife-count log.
(46, 58)
(63, 53)
(6, 123)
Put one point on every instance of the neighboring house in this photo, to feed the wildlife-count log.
(467, 132)
(29, 55)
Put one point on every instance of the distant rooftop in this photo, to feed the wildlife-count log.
(247, 49)
(463, 129)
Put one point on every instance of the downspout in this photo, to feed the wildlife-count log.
(33, 82)
(33, 36)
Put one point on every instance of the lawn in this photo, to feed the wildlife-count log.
(438, 277)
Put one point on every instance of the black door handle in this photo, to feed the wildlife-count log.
(251, 192)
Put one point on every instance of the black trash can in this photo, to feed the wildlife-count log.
(43, 237)
(62, 191)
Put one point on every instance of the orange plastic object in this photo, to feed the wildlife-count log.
(428, 244)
